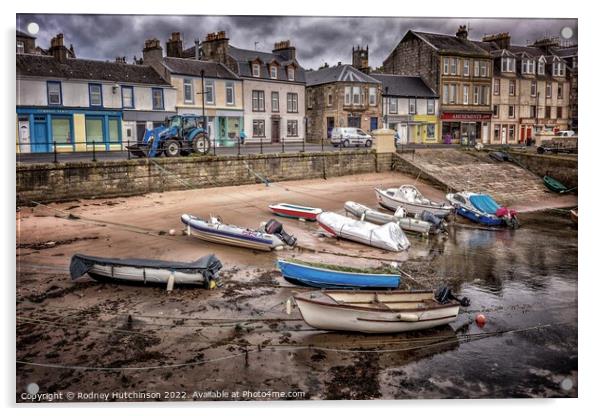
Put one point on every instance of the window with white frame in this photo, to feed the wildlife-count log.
(560, 94)
(541, 66)
(508, 64)
(291, 73)
(157, 94)
(430, 106)
(127, 97)
(412, 106)
(392, 105)
(476, 68)
(273, 72)
(512, 87)
(511, 132)
(548, 89)
(454, 66)
(452, 93)
(347, 95)
(95, 95)
(230, 97)
(496, 86)
(484, 69)
(528, 66)
(356, 96)
(209, 92)
(445, 93)
(475, 95)
(258, 128)
(275, 102)
(485, 95)
(291, 128)
(558, 69)
(256, 70)
(510, 111)
(466, 68)
(188, 91)
(372, 96)
(445, 66)
(258, 100)
(495, 110)
(329, 99)
(20, 46)
(465, 95)
(533, 88)
(291, 102)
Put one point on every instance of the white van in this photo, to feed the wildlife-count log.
(565, 133)
(350, 136)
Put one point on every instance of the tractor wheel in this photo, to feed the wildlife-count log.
(200, 144)
(172, 148)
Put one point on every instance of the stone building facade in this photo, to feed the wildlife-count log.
(341, 96)
(459, 70)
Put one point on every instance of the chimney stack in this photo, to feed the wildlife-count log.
(152, 52)
(285, 49)
(502, 40)
(174, 45)
(58, 49)
(546, 44)
(462, 32)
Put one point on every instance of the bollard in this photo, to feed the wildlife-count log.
(260, 146)
(282, 145)
(127, 148)
(239, 146)
(54, 151)
(303, 146)
(94, 151)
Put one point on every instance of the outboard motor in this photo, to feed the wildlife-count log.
(276, 228)
(444, 295)
(509, 216)
(438, 223)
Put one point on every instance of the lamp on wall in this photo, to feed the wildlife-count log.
(115, 88)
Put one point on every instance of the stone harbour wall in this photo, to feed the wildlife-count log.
(562, 168)
(73, 180)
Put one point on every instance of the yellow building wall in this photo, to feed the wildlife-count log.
(79, 132)
(219, 93)
(421, 132)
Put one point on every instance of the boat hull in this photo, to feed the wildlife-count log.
(391, 203)
(407, 224)
(230, 235)
(295, 211)
(327, 278)
(480, 218)
(335, 317)
(145, 275)
(554, 185)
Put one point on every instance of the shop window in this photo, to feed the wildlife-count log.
(430, 131)
(511, 133)
(61, 130)
(114, 130)
(94, 131)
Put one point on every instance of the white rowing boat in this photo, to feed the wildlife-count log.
(375, 312)
(388, 236)
(410, 198)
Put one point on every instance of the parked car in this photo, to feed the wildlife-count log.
(565, 133)
(347, 136)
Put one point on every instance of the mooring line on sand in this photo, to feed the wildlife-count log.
(286, 347)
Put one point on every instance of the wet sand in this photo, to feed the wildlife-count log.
(116, 338)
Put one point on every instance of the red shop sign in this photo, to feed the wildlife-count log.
(465, 116)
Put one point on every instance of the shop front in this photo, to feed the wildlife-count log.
(464, 127)
(223, 126)
(414, 129)
(136, 122)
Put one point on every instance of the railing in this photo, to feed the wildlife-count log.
(47, 152)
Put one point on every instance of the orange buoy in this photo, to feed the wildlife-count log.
(480, 320)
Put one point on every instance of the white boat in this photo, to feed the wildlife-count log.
(406, 223)
(388, 236)
(410, 198)
(268, 237)
(375, 312)
(200, 272)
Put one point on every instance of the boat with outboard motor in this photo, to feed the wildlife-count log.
(482, 209)
(410, 198)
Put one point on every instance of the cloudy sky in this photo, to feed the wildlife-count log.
(318, 39)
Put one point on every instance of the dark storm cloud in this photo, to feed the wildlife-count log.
(318, 39)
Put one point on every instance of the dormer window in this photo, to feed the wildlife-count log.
(291, 73)
(528, 66)
(508, 64)
(541, 66)
(558, 69)
(274, 72)
(256, 70)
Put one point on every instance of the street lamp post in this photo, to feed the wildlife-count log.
(203, 98)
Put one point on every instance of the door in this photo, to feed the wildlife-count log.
(485, 133)
(329, 126)
(24, 146)
(373, 123)
(40, 135)
(275, 130)
(140, 129)
(503, 135)
(402, 129)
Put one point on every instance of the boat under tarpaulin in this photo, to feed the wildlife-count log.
(200, 272)
(388, 236)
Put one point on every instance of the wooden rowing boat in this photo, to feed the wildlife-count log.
(554, 185)
(375, 312)
(295, 211)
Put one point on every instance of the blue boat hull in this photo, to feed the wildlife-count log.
(480, 218)
(326, 278)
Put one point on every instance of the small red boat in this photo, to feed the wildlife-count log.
(295, 211)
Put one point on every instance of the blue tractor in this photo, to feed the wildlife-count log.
(183, 135)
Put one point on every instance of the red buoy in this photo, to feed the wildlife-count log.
(480, 320)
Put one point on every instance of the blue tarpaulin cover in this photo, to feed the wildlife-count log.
(484, 203)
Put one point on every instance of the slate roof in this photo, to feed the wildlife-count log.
(181, 66)
(450, 44)
(566, 52)
(22, 34)
(339, 73)
(403, 86)
(85, 69)
(244, 57)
